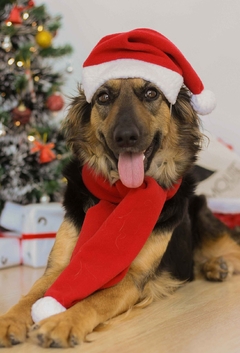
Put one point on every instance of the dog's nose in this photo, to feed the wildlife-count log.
(126, 137)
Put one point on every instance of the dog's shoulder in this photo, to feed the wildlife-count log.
(176, 208)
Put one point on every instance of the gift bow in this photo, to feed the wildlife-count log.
(46, 155)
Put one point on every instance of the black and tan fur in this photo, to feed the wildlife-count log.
(130, 115)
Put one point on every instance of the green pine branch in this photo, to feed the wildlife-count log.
(56, 52)
(8, 30)
(4, 117)
(24, 53)
(39, 13)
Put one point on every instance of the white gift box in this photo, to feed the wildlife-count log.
(39, 218)
(223, 164)
(35, 228)
(221, 185)
(35, 252)
(10, 254)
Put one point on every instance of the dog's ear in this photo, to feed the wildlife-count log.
(187, 122)
(77, 118)
(182, 110)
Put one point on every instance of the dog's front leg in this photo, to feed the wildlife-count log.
(15, 323)
(70, 328)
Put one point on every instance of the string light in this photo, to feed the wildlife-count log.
(33, 49)
(9, 24)
(25, 15)
(17, 123)
(11, 61)
(31, 138)
(20, 64)
(40, 28)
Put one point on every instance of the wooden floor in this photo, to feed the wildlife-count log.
(201, 317)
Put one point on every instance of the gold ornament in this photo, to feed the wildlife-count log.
(44, 39)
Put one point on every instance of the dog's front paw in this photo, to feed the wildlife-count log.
(13, 329)
(58, 331)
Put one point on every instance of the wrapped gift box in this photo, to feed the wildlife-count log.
(35, 228)
(35, 251)
(10, 254)
(219, 176)
(227, 210)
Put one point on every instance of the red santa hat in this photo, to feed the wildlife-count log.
(146, 54)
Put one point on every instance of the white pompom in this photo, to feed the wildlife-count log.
(46, 307)
(203, 103)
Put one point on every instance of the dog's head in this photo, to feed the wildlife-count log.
(129, 129)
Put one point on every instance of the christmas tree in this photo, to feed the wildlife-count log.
(32, 149)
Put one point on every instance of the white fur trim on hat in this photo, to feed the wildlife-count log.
(168, 81)
(203, 103)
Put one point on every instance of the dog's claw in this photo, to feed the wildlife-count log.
(14, 341)
(55, 344)
(74, 341)
(223, 264)
(40, 338)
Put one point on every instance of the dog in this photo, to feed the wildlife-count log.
(131, 116)
(187, 239)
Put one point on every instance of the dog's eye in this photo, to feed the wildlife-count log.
(103, 98)
(151, 93)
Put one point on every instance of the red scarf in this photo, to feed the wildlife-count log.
(113, 233)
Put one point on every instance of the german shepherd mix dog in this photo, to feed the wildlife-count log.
(129, 120)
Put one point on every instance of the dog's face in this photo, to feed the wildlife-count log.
(128, 131)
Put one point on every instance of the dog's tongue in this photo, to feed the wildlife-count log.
(131, 169)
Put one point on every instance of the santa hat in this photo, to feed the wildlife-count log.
(146, 54)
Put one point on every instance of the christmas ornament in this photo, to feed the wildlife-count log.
(44, 198)
(31, 3)
(14, 17)
(7, 44)
(45, 155)
(21, 114)
(147, 54)
(55, 102)
(2, 130)
(44, 39)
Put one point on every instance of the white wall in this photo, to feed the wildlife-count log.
(206, 31)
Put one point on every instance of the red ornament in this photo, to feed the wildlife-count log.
(21, 114)
(55, 102)
(46, 155)
(31, 3)
(15, 16)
